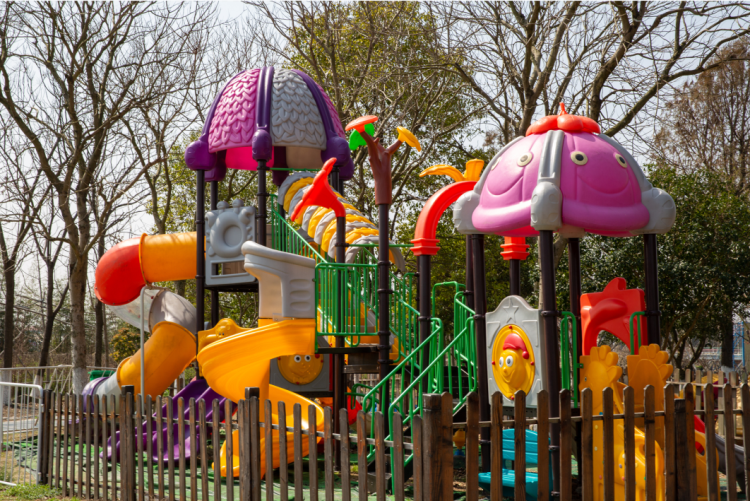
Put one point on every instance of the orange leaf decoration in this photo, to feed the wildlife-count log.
(564, 122)
(358, 124)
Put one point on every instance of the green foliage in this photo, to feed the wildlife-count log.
(32, 492)
(383, 59)
(125, 343)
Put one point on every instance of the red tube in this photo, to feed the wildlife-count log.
(118, 274)
(424, 241)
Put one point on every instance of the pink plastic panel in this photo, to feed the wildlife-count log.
(242, 158)
(601, 195)
(234, 121)
(505, 202)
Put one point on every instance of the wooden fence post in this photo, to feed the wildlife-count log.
(254, 411)
(127, 456)
(447, 445)
(711, 459)
(434, 468)
(472, 447)
(685, 447)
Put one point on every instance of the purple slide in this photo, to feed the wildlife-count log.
(197, 389)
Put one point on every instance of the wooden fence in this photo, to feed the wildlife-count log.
(74, 438)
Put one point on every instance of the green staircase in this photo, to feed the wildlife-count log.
(347, 295)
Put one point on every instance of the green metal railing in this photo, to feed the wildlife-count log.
(635, 326)
(451, 368)
(286, 237)
(568, 350)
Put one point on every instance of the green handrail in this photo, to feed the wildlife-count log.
(632, 329)
(357, 284)
(568, 336)
(285, 237)
(453, 283)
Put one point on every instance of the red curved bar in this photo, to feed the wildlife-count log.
(424, 241)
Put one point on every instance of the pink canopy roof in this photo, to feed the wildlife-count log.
(567, 178)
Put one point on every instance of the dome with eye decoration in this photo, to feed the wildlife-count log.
(566, 176)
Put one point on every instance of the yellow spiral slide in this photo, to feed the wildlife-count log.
(239, 358)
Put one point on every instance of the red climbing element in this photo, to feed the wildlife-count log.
(424, 240)
(563, 121)
(515, 248)
(610, 311)
(320, 193)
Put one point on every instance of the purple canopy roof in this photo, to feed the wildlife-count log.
(277, 112)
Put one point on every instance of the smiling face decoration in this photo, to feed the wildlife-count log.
(512, 362)
(301, 369)
(565, 176)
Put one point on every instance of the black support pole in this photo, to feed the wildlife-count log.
(200, 263)
(339, 383)
(551, 344)
(214, 293)
(424, 288)
(262, 217)
(480, 309)
(515, 277)
(574, 270)
(651, 272)
(574, 282)
(469, 293)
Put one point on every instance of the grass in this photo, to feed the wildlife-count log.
(31, 492)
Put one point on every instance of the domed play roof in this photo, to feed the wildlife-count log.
(568, 177)
(278, 115)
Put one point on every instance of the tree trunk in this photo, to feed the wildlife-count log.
(99, 342)
(51, 314)
(727, 341)
(9, 271)
(77, 322)
(179, 286)
(99, 312)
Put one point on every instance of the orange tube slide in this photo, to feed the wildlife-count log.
(125, 268)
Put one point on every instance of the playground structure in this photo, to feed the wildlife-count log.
(336, 301)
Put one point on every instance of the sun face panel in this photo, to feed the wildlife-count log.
(513, 363)
(514, 350)
(301, 369)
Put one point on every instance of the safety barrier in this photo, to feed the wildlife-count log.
(653, 459)
(58, 378)
(21, 413)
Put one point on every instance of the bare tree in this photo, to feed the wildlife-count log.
(70, 73)
(706, 126)
(382, 59)
(607, 61)
(25, 190)
(49, 251)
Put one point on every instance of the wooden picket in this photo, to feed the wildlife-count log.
(81, 439)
